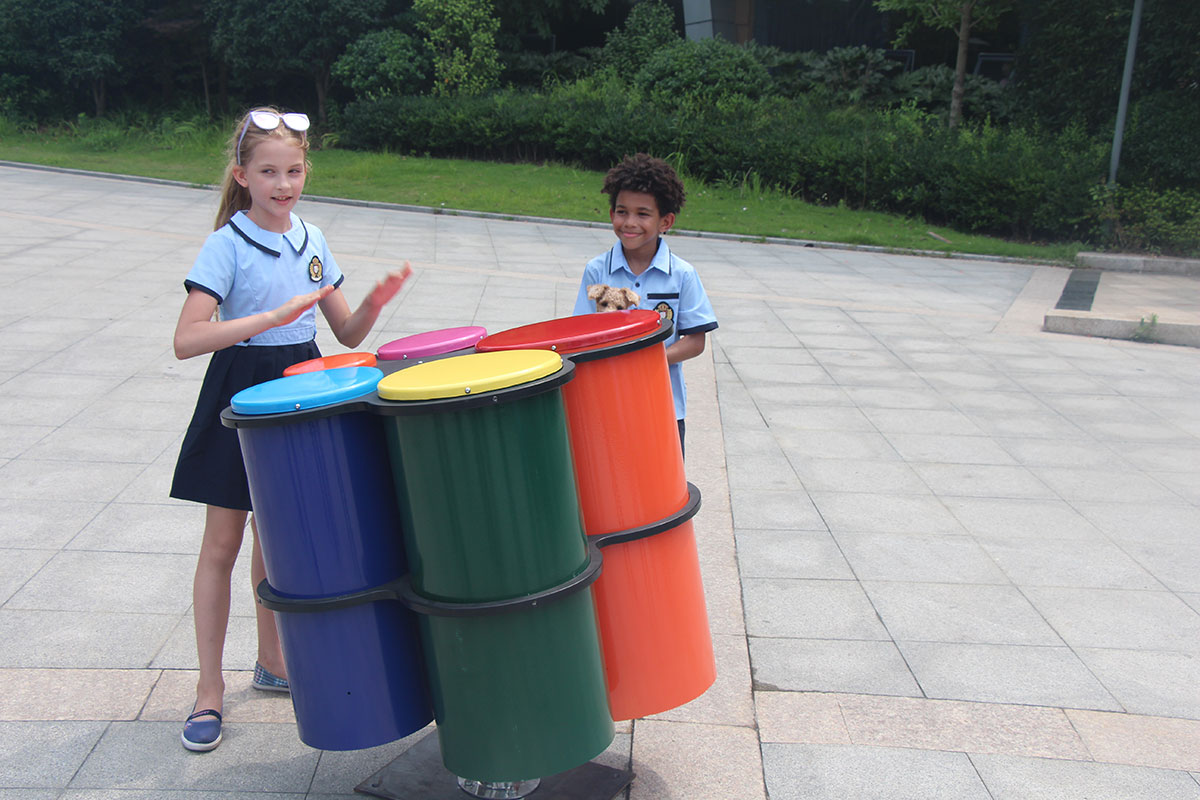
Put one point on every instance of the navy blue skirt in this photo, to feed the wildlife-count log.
(210, 468)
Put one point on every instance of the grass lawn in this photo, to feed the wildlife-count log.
(545, 190)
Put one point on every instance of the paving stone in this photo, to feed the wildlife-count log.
(834, 772)
(148, 755)
(959, 613)
(822, 665)
(45, 754)
(1012, 778)
(1070, 562)
(81, 639)
(809, 609)
(864, 512)
(674, 760)
(74, 694)
(1120, 619)
(109, 582)
(992, 673)
(764, 509)
(928, 558)
(1140, 740)
(1164, 684)
(790, 554)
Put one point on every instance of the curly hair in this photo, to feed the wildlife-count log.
(644, 173)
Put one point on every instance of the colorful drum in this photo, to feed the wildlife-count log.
(650, 599)
(339, 361)
(432, 343)
(483, 475)
(320, 484)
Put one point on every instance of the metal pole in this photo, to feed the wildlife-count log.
(1123, 105)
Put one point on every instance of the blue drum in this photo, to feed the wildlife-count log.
(321, 487)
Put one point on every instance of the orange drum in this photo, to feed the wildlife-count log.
(332, 362)
(636, 504)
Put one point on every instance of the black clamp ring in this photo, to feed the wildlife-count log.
(402, 591)
(661, 526)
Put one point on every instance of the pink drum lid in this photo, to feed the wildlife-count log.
(432, 343)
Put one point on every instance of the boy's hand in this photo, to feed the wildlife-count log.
(387, 288)
(289, 311)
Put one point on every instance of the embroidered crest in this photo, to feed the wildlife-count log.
(315, 270)
(665, 311)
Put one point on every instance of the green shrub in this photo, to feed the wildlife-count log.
(382, 63)
(462, 37)
(930, 88)
(1162, 140)
(703, 72)
(1143, 219)
(649, 27)
(849, 76)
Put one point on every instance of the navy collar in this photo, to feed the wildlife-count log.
(290, 236)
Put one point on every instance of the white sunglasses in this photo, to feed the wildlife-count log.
(269, 121)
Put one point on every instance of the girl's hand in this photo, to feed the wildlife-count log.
(387, 288)
(289, 311)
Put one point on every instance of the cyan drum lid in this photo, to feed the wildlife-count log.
(474, 373)
(572, 334)
(307, 390)
(432, 343)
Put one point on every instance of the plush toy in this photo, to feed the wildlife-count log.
(610, 298)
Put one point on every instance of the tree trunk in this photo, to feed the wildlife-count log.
(321, 79)
(960, 65)
(207, 95)
(98, 96)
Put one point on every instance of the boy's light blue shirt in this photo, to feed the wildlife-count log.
(669, 285)
(250, 270)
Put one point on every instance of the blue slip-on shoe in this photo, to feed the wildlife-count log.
(263, 679)
(202, 735)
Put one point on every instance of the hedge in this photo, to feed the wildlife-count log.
(1011, 181)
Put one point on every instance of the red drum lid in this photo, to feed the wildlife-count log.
(575, 334)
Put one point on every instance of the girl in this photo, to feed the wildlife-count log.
(264, 270)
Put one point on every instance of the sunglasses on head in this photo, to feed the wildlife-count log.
(269, 121)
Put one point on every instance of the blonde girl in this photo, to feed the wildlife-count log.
(261, 274)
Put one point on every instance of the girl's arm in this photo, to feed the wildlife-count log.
(685, 347)
(198, 333)
(350, 329)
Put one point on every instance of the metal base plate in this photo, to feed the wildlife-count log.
(418, 774)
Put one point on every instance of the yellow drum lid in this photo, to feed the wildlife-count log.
(474, 373)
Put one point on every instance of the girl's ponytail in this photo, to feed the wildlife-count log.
(234, 198)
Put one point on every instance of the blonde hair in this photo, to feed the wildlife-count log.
(234, 196)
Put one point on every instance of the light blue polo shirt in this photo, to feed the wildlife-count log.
(249, 270)
(669, 285)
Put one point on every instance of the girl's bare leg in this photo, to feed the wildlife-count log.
(223, 529)
(270, 655)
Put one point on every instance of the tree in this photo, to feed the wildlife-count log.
(539, 16)
(74, 43)
(291, 35)
(462, 36)
(960, 15)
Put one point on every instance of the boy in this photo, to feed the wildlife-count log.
(645, 194)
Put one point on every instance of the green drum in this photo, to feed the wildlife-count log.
(482, 466)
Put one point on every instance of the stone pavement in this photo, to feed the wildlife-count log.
(947, 554)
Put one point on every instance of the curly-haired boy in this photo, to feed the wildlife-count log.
(645, 195)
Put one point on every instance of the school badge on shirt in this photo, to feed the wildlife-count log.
(315, 270)
(665, 311)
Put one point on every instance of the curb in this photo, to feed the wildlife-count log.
(1121, 262)
(730, 237)
(1140, 330)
